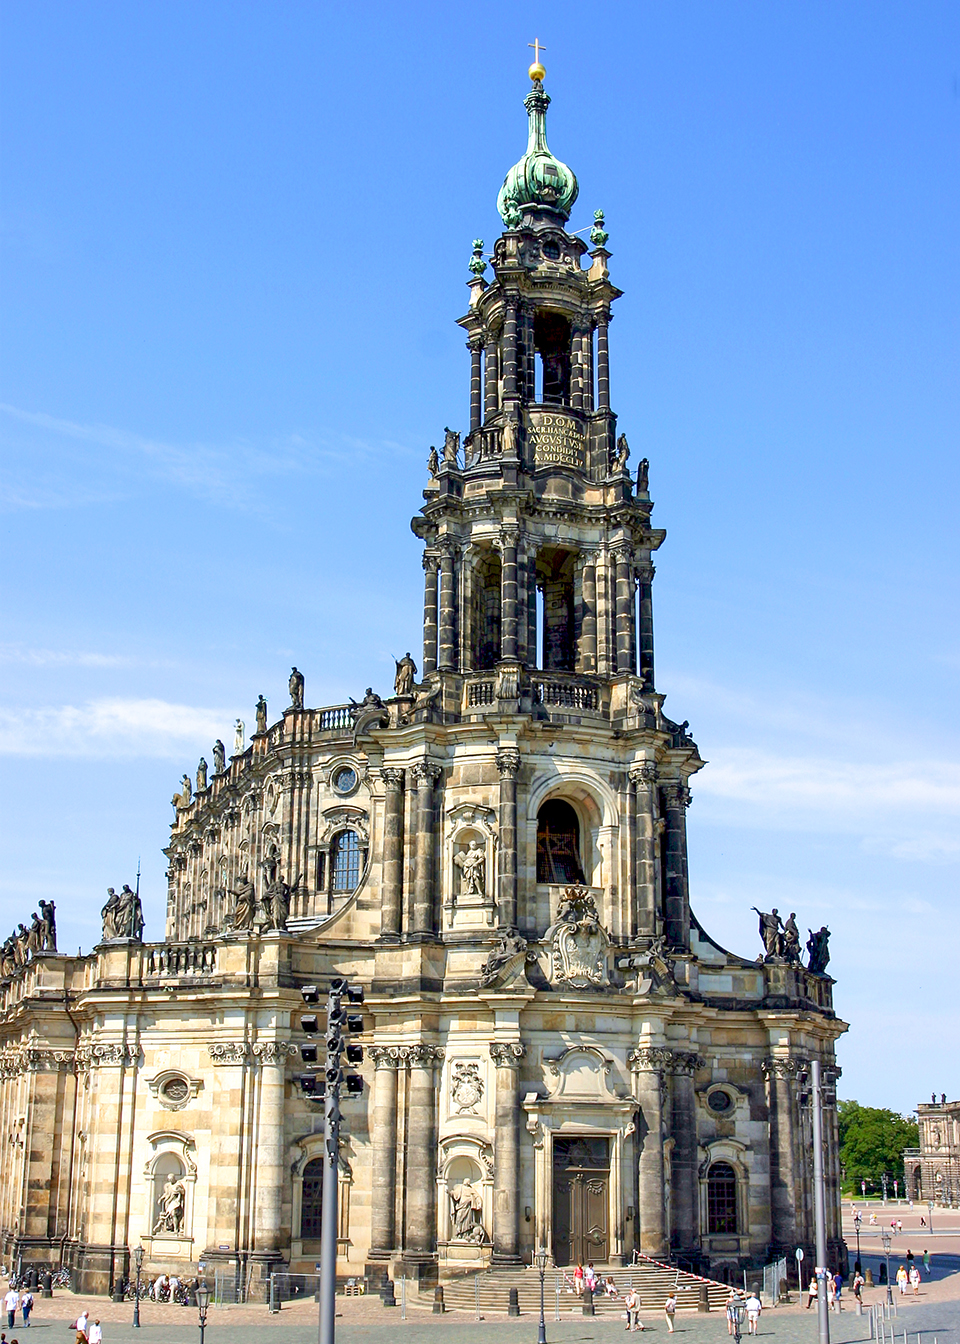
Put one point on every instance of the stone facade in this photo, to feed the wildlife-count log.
(557, 1052)
(932, 1171)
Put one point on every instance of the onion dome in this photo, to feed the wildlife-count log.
(539, 181)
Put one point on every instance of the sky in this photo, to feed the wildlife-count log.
(235, 243)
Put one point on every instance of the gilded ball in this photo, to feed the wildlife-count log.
(536, 71)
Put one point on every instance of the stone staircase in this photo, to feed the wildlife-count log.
(652, 1280)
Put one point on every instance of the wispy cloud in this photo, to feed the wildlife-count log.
(17, 653)
(110, 727)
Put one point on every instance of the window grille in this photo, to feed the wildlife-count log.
(722, 1198)
(345, 860)
(558, 844)
(312, 1201)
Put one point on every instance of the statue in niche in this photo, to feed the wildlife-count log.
(295, 686)
(245, 905)
(451, 447)
(219, 757)
(472, 863)
(579, 942)
(201, 775)
(818, 950)
(433, 462)
(261, 715)
(770, 932)
(506, 961)
(406, 675)
(48, 917)
(239, 736)
(622, 454)
(508, 438)
(791, 938)
(170, 1207)
(467, 1203)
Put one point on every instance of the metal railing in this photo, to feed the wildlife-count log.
(773, 1276)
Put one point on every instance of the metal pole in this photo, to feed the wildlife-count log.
(542, 1332)
(328, 1206)
(820, 1208)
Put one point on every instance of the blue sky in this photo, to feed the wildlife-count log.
(235, 240)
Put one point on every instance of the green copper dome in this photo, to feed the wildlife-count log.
(539, 180)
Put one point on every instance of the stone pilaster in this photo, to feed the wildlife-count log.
(383, 1198)
(506, 1181)
(624, 610)
(491, 371)
(447, 636)
(645, 573)
(508, 764)
(426, 775)
(644, 778)
(271, 1056)
(476, 357)
(685, 1184)
(391, 890)
(676, 800)
(649, 1064)
(587, 661)
(603, 362)
(430, 569)
(420, 1239)
(781, 1077)
(508, 594)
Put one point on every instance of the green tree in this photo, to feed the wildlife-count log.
(872, 1141)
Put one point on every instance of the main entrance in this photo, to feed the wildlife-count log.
(581, 1200)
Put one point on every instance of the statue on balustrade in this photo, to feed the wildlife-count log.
(34, 935)
(406, 675)
(109, 915)
(262, 714)
(201, 775)
(48, 917)
(433, 462)
(8, 961)
(295, 686)
(791, 938)
(246, 904)
(451, 447)
(276, 902)
(219, 757)
(239, 737)
(643, 476)
(622, 454)
(128, 916)
(770, 932)
(818, 950)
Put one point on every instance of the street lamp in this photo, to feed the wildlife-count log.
(203, 1301)
(857, 1220)
(738, 1310)
(884, 1179)
(540, 1258)
(138, 1261)
(885, 1239)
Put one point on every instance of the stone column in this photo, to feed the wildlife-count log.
(781, 1081)
(676, 799)
(588, 615)
(391, 892)
(533, 653)
(447, 641)
(588, 371)
(430, 567)
(506, 1153)
(425, 879)
(603, 362)
(491, 375)
(685, 1224)
(644, 777)
(508, 594)
(270, 1148)
(383, 1198)
(420, 1238)
(628, 857)
(475, 358)
(648, 1063)
(508, 764)
(510, 378)
(529, 357)
(645, 573)
(624, 610)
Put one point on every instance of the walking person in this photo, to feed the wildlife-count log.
(95, 1334)
(670, 1309)
(812, 1291)
(914, 1277)
(754, 1308)
(902, 1279)
(734, 1300)
(10, 1304)
(858, 1282)
(81, 1328)
(926, 1263)
(578, 1280)
(590, 1278)
(838, 1289)
(632, 1304)
(26, 1306)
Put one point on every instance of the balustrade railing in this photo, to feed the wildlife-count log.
(181, 959)
(334, 719)
(566, 694)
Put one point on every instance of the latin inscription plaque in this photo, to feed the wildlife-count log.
(557, 440)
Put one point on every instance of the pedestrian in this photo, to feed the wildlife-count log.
(812, 1291)
(733, 1301)
(914, 1277)
(81, 1328)
(858, 1282)
(926, 1262)
(95, 1334)
(923, 1221)
(902, 1279)
(10, 1304)
(578, 1279)
(838, 1288)
(909, 1259)
(670, 1309)
(899, 1226)
(754, 1308)
(590, 1278)
(632, 1304)
(831, 1292)
(873, 1220)
(26, 1306)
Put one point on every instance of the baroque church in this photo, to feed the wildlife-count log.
(557, 1053)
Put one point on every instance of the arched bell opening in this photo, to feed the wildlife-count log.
(486, 615)
(551, 341)
(555, 581)
(559, 861)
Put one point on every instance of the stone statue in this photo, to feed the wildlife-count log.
(467, 1204)
(433, 462)
(371, 700)
(246, 904)
(770, 926)
(20, 944)
(472, 863)
(34, 935)
(818, 950)
(186, 792)
(261, 715)
(128, 915)
(406, 672)
(295, 685)
(508, 438)
(239, 735)
(109, 915)
(170, 1207)
(643, 476)
(8, 962)
(219, 757)
(506, 959)
(791, 938)
(622, 453)
(451, 447)
(48, 915)
(276, 902)
(201, 775)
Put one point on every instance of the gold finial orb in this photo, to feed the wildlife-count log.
(536, 71)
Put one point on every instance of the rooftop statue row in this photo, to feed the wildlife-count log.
(781, 941)
(24, 943)
(122, 915)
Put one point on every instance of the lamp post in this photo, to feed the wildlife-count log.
(138, 1261)
(885, 1239)
(203, 1301)
(884, 1181)
(857, 1220)
(819, 1206)
(540, 1256)
(738, 1310)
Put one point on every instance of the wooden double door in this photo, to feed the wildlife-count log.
(581, 1200)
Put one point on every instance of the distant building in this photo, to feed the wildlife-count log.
(932, 1171)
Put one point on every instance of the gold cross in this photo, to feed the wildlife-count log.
(536, 50)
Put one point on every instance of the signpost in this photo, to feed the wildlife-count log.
(799, 1254)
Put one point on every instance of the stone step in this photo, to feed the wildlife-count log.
(653, 1283)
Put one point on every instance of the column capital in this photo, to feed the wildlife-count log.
(425, 772)
(509, 535)
(661, 1059)
(508, 762)
(623, 553)
(385, 1056)
(781, 1067)
(507, 1054)
(645, 571)
(430, 562)
(392, 777)
(273, 1052)
(475, 344)
(676, 794)
(448, 548)
(420, 1056)
(644, 774)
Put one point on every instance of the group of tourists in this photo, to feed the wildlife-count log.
(586, 1279)
(88, 1332)
(16, 1299)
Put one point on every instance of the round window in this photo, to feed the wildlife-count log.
(345, 779)
(175, 1090)
(720, 1102)
(551, 251)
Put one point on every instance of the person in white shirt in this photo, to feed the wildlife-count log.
(754, 1308)
(10, 1304)
(670, 1310)
(95, 1334)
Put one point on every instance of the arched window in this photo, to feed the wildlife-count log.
(345, 862)
(311, 1203)
(558, 844)
(722, 1198)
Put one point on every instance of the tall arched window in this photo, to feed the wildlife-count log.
(558, 844)
(311, 1203)
(345, 862)
(722, 1198)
